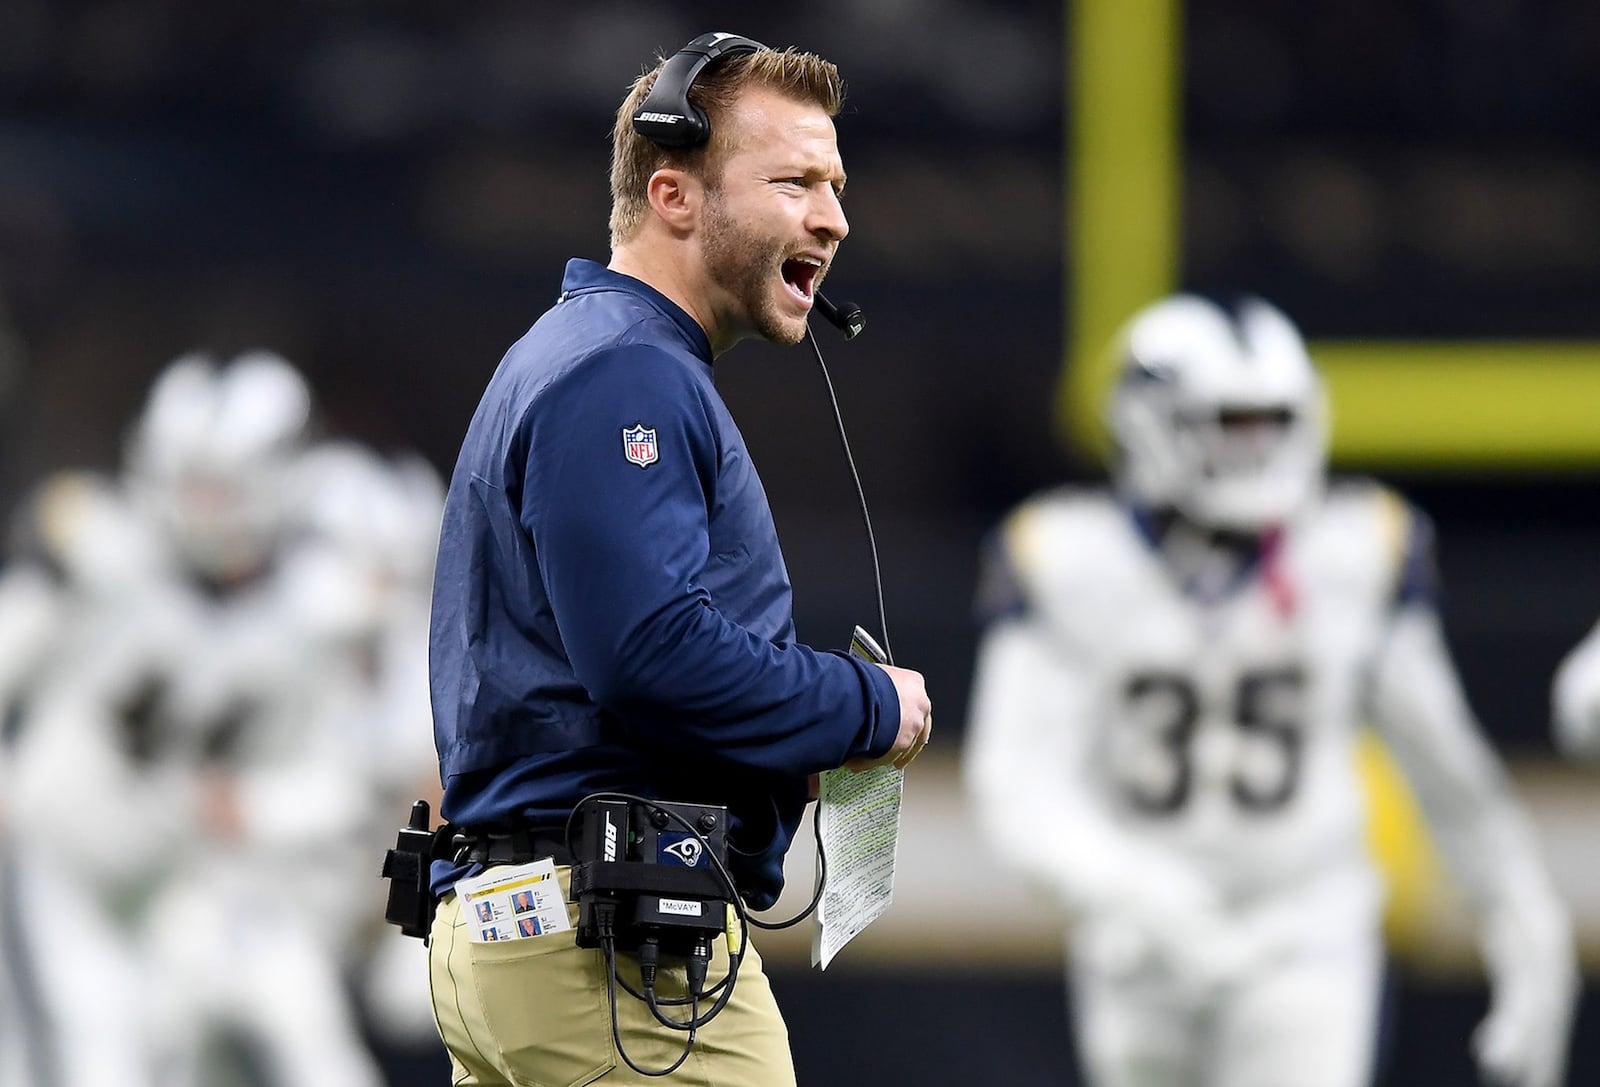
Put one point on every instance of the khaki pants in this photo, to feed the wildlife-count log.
(534, 1013)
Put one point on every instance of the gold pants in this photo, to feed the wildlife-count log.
(534, 1013)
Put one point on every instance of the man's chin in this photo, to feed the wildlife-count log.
(783, 329)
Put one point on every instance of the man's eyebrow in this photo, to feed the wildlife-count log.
(824, 173)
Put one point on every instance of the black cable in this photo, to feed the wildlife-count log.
(861, 494)
(609, 950)
(883, 625)
(822, 879)
(647, 975)
(672, 1001)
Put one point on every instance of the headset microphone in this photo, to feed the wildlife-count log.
(846, 317)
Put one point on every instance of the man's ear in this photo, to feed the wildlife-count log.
(676, 197)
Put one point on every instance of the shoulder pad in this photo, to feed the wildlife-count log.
(79, 525)
(1402, 535)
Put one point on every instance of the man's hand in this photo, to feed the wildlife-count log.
(1533, 990)
(916, 721)
(1575, 699)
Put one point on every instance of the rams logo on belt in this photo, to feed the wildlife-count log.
(639, 445)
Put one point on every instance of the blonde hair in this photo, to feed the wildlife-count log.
(804, 77)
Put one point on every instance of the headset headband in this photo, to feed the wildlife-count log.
(666, 116)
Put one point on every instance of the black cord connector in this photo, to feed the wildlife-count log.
(699, 962)
(649, 960)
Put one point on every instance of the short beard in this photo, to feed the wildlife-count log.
(742, 263)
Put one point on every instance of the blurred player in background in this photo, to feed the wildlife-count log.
(95, 807)
(1575, 699)
(379, 518)
(203, 745)
(1164, 720)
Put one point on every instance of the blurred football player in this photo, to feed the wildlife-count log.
(90, 622)
(189, 770)
(248, 935)
(1164, 720)
(1575, 699)
(379, 521)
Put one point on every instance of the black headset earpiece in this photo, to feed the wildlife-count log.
(666, 116)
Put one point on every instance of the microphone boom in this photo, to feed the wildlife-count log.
(846, 317)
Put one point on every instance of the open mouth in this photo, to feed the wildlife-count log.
(800, 276)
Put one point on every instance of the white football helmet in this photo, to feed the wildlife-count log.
(210, 457)
(384, 512)
(1218, 415)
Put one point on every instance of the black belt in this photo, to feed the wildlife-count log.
(518, 845)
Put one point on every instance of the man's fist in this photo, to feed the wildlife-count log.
(916, 721)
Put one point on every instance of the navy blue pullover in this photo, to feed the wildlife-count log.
(611, 609)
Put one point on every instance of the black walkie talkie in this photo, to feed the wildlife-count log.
(411, 903)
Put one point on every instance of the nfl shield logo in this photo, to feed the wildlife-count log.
(639, 445)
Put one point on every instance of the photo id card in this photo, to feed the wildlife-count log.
(513, 902)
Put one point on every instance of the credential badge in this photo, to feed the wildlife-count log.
(639, 445)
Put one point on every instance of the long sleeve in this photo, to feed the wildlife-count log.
(629, 560)
(1469, 802)
(1489, 843)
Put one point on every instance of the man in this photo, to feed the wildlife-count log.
(611, 609)
(1164, 724)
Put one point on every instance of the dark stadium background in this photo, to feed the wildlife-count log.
(386, 194)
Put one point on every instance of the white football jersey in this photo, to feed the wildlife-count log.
(1163, 738)
(1220, 730)
(1207, 731)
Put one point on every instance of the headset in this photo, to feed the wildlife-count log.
(667, 118)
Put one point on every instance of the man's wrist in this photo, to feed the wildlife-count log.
(882, 726)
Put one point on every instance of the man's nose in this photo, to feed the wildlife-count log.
(827, 216)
